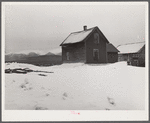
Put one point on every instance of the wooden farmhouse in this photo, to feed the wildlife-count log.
(134, 53)
(87, 46)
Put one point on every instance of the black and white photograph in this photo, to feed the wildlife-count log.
(80, 58)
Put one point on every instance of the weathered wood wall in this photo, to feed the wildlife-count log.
(76, 53)
(112, 57)
(122, 57)
(141, 58)
(90, 45)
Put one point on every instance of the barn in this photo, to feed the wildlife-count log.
(87, 46)
(112, 53)
(134, 53)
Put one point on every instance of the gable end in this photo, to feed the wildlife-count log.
(101, 34)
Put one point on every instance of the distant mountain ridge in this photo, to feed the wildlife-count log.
(39, 52)
(34, 57)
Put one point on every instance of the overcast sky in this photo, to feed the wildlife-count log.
(44, 27)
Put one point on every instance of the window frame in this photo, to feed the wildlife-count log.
(96, 35)
(94, 52)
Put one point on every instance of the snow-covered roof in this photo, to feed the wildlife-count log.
(80, 36)
(130, 48)
(77, 36)
(111, 48)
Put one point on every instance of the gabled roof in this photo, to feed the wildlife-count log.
(111, 48)
(130, 48)
(80, 36)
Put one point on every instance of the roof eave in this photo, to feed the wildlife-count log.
(141, 49)
(65, 39)
(70, 43)
(128, 53)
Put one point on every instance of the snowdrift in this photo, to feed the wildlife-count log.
(76, 87)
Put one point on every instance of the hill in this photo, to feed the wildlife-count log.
(34, 57)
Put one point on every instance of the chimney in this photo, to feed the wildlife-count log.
(85, 27)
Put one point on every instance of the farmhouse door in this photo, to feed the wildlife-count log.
(96, 54)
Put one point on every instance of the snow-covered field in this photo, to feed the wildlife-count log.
(76, 87)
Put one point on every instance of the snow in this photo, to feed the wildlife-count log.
(130, 48)
(76, 86)
(77, 36)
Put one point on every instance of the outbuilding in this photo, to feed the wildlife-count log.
(133, 53)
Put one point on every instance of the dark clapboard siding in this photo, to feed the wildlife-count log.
(141, 58)
(76, 52)
(101, 46)
(112, 57)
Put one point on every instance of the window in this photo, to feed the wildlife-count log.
(96, 38)
(95, 54)
(67, 54)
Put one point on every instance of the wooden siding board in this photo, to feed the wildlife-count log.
(90, 45)
(112, 57)
(141, 58)
(76, 53)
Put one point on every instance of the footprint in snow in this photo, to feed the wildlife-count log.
(47, 94)
(30, 88)
(64, 96)
(42, 88)
(22, 86)
(111, 101)
(26, 81)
